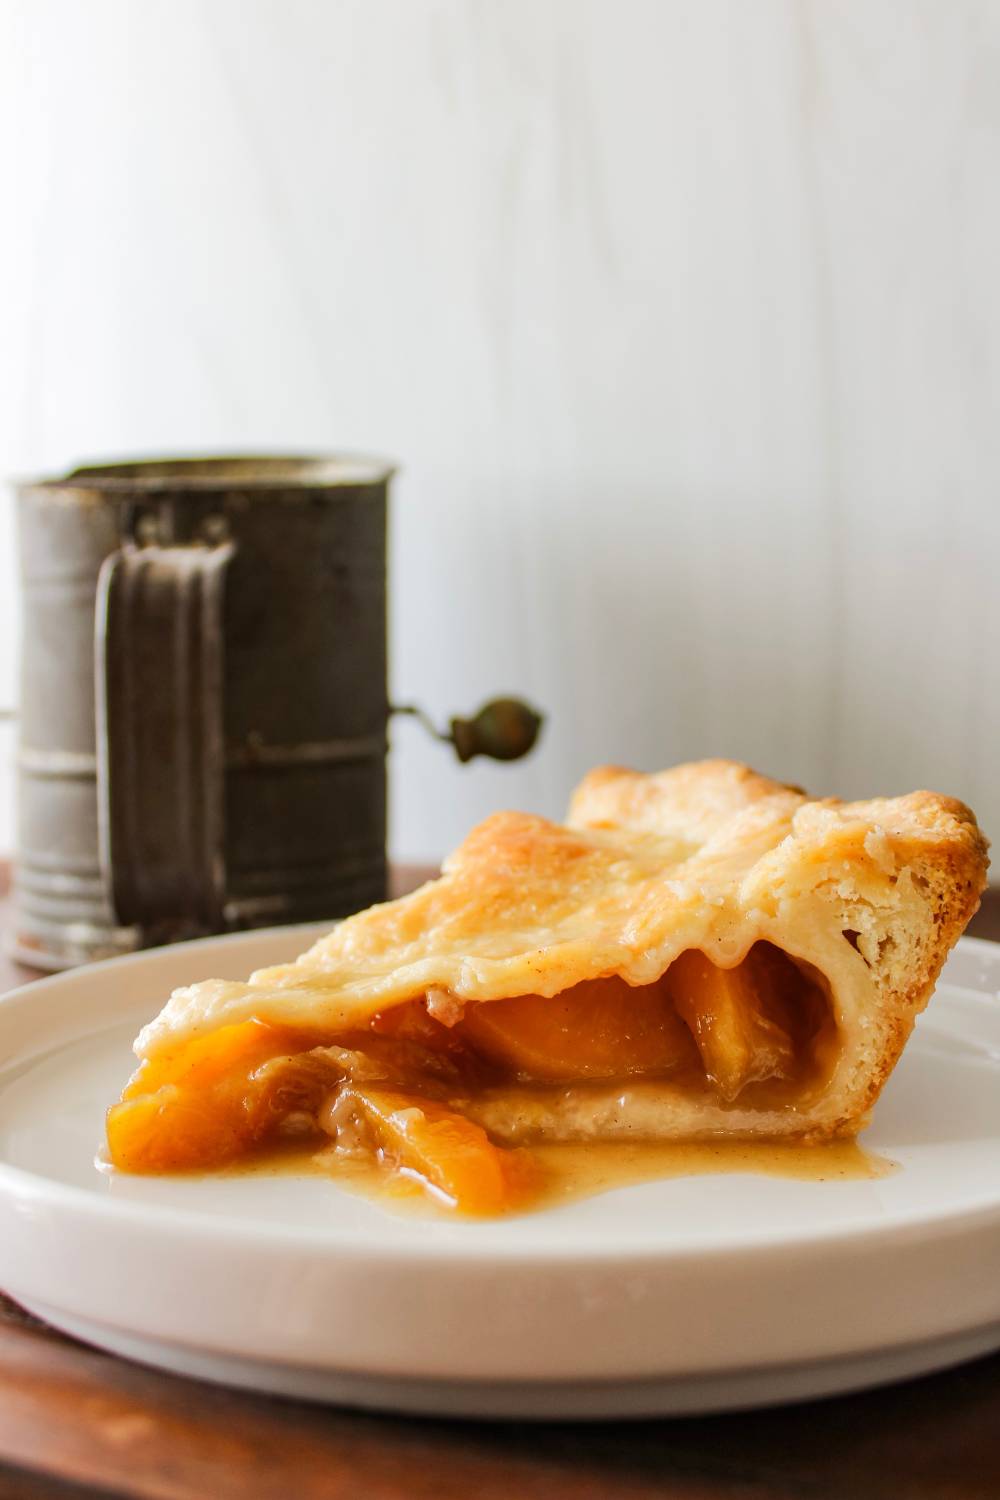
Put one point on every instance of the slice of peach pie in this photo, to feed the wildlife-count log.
(696, 954)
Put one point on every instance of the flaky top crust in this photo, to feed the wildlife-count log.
(709, 855)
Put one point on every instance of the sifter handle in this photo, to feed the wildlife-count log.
(503, 729)
(160, 738)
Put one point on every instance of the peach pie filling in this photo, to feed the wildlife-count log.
(757, 1035)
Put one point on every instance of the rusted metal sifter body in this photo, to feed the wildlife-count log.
(203, 701)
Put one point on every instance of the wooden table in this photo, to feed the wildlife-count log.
(74, 1422)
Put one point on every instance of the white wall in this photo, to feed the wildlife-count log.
(682, 317)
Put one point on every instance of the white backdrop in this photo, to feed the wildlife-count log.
(682, 318)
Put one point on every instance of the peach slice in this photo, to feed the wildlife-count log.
(602, 1028)
(200, 1106)
(737, 1041)
(447, 1152)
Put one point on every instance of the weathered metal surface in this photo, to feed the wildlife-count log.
(262, 802)
(159, 668)
(64, 914)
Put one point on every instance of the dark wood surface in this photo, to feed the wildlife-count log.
(74, 1421)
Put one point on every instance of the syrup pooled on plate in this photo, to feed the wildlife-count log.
(557, 1174)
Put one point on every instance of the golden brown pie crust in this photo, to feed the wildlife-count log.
(868, 896)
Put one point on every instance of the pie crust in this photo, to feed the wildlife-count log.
(708, 953)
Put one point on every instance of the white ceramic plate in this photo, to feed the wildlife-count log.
(690, 1294)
